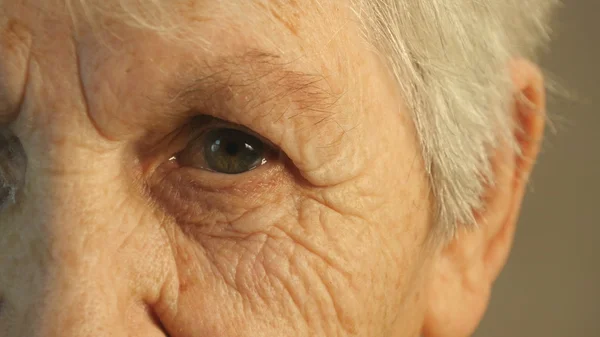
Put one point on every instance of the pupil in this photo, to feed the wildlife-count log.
(232, 149)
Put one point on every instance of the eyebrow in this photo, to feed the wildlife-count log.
(255, 81)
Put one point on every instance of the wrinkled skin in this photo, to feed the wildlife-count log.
(108, 238)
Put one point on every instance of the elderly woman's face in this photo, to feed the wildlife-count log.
(252, 175)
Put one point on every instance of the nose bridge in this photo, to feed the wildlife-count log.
(68, 271)
(66, 281)
(62, 250)
(68, 193)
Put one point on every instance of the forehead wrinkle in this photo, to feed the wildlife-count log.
(287, 14)
(253, 81)
(169, 18)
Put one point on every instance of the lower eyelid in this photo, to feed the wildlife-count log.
(228, 183)
(185, 196)
(171, 178)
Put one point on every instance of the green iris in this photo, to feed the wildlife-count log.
(232, 151)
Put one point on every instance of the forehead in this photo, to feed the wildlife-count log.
(119, 42)
(271, 17)
(303, 35)
(268, 17)
(295, 30)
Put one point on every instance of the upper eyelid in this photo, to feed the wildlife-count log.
(278, 101)
(200, 123)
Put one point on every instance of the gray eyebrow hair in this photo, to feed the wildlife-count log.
(255, 80)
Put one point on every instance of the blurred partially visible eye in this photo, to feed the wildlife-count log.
(225, 150)
(13, 163)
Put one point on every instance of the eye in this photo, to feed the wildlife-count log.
(225, 150)
(13, 163)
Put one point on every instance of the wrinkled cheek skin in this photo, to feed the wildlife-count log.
(289, 261)
(280, 262)
(240, 279)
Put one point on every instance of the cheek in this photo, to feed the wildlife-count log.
(304, 262)
(288, 271)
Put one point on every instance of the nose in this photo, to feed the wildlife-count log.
(75, 250)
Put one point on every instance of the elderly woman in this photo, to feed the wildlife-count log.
(262, 167)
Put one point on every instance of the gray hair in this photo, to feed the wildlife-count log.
(450, 59)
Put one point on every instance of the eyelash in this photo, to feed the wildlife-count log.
(202, 126)
(209, 122)
(208, 180)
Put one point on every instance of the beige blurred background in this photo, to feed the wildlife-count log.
(551, 284)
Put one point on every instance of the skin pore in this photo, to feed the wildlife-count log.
(110, 236)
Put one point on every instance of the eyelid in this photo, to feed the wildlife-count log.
(202, 123)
